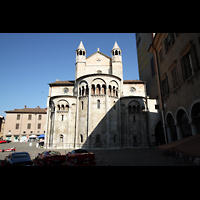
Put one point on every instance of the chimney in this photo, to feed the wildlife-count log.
(25, 106)
(38, 107)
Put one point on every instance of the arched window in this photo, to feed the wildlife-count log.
(115, 136)
(61, 138)
(82, 105)
(98, 139)
(62, 107)
(114, 91)
(81, 138)
(109, 90)
(93, 89)
(98, 104)
(116, 52)
(83, 90)
(83, 52)
(87, 90)
(103, 89)
(62, 117)
(129, 109)
(67, 108)
(98, 89)
(58, 107)
(134, 109)
(80, 52)
(138, 109)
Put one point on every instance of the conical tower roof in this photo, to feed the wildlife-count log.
(81, 47)
(116, 46)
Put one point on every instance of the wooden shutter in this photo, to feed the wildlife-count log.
(183, 68)
(194, 58)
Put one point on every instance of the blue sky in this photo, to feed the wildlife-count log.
(29, 61)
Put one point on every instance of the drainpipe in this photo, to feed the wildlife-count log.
(160, 93)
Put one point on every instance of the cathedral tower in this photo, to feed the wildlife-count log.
(80, 60)
(117, 61)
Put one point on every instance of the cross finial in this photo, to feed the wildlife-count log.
(98, 49)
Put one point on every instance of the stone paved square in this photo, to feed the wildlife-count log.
(118, 157)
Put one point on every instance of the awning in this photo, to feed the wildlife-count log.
(40, 136)
(188, 146)
(32, 136)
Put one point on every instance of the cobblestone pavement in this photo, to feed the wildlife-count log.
(118, 157)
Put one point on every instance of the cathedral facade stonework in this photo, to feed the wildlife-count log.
(99, 109)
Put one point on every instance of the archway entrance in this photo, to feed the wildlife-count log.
(171, 128)
(183, 123)
(159, 134)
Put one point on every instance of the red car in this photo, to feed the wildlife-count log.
(11, 149)
(2, 141)
(80, 155)
(51, 157)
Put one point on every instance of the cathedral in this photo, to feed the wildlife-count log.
(99, 110)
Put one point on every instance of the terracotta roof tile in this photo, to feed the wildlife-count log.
(28, 110)
(62, 83)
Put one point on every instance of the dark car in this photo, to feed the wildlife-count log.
(80, 155)
(51, 157)
(18, 159)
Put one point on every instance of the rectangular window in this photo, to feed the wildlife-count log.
(189, 63)
(174, 77)
(39, 126)
(39, 117)
(18, 117)
(28, 126)
(62, 117)
(29, 117)
(17, 126)
(98, 104)
(169, 41)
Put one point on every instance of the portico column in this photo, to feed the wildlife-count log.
(194, 128)
(179, 131)
(169, 134)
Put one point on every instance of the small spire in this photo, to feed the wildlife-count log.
(115, 45)
(81, 47)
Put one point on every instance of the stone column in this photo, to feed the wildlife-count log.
(169, 134)
(194, 128)
(179, 131)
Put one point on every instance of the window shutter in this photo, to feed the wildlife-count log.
(167, 85)
(183, 68)
(194, 58)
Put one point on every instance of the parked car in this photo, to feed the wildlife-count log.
(8, 141)
(10, 149)
(18, 159)
(2, 141)
(80, 155)
(51, 157)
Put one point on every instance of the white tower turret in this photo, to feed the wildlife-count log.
(116, 53)
(117, 61)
